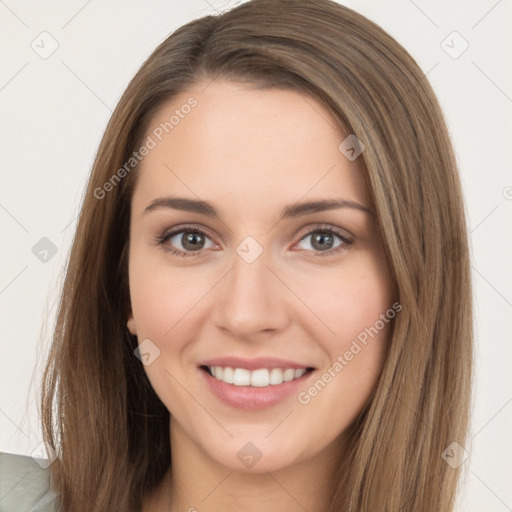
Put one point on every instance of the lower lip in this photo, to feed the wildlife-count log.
(251, 398)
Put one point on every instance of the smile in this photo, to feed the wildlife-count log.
(261, 377)
(254, 384)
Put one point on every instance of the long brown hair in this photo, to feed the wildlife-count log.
(99, 411)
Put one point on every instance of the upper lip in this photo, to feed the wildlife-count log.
(254, 363)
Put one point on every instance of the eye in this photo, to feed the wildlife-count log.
(323, 241)
(191, 240)
(185, 242)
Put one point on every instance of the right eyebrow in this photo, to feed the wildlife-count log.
(183, 204)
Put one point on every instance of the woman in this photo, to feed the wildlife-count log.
(268, 298)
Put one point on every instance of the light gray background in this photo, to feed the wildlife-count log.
(54, 111)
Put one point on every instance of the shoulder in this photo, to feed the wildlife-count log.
(25, 485)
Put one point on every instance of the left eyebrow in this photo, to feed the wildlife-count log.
(298, 209)
(289, 211)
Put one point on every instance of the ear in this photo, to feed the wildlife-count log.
(132, 326)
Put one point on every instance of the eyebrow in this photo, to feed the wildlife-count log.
(289, 211)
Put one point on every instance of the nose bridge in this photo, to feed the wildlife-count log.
(250, 300)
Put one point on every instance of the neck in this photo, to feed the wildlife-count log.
(196, 482)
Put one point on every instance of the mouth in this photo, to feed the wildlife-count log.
(259, 378)
(253, 385)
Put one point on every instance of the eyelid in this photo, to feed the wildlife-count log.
(342, 233)
(187, 227)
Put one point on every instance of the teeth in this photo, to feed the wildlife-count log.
(260, 378)
(276, 376)
(227, 374)
(257, 378)
(300, 372)
(241, 377)
(288, 374)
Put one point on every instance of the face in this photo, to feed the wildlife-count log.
(263, 321)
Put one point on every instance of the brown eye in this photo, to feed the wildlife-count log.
(185, 242)
(192, 240)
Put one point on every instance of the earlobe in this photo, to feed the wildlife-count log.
(132, 326)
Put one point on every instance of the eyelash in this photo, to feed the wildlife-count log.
(162, 239)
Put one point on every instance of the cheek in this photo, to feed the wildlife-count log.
(352, 301)
(164, 300)
(163, 307)
(348, 300)
(167, 304)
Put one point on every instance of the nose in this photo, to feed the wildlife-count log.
(251, 302)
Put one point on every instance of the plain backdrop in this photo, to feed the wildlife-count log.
(54, 109)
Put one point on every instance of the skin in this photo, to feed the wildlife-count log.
(249, 153)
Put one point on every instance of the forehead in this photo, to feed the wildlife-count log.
(247, 145)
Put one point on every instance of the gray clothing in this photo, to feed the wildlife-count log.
(25, 485)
